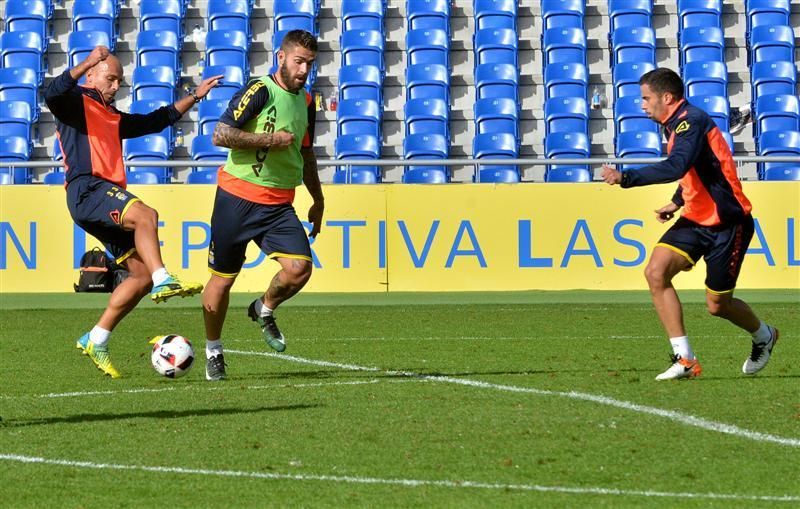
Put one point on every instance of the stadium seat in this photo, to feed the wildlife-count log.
(564, 45)
(362, 15)
(782, 173)
(637, 144)
(716, 106)
(359, 116)
(425, 175)
(208, 113)
(356, 175)
(80, 44)
(779, 143)
(155, 47)
(702, 45)
(161, 15)
(145, 176)
(425, 146)
(203, 149)
(361, 82)
(633, 44)
(566, 114)
(566, 80)
(295, 14)
(705, 78)
(629, 13)
(151, 147)
(154, 82)
(428, 46)
(15, 119)
(566, 146)
(766, 13)
(562, 173)
(496, 46)
(427, 81)
(28, 16)
(626, 78)
(362, 47)
(20, 84)
(729, 138)
(358, 147)
(233, 78)
(496, 80)
(495, 14)
(23, 49)
(495, 146)
(13, 149)
(699, 13)
(146, 107)
(228, 47)
(55, 178)
(777, 112)
(96, 16)
(562, 14)
(774, 77)
(202, 176)
(628, 116)
(769, 43)
(427, 116)
(428, 14)
(230, 15)
(497, 115)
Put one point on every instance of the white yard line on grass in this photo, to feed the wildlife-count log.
(411, 483)
(683, 418)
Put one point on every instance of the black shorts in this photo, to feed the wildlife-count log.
(98, 206)
(275, 229)
(722, 247)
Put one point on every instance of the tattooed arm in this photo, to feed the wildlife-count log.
(231, 137)
(311, 180)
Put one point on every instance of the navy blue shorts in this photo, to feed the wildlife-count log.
(722, 247)
(98, 206)
(275, 229)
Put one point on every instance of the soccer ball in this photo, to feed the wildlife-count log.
(172, 355)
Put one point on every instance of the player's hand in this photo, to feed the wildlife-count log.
(98, 54)
(611, 175)
(205, 87)
(667, 212)
(315, 217)
(281, 139)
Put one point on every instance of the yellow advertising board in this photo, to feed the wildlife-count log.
(419, 238)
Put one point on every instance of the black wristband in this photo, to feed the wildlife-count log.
(194, 95)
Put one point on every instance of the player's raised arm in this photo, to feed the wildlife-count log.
(185, 104)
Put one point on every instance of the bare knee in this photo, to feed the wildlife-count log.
(141, 216)
(720, 308)
(656, 276)
(215, 292)
(298, 272)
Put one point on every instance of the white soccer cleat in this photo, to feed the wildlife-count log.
(760, 354)
(681, 368)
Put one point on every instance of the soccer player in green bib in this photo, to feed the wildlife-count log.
(269, 127)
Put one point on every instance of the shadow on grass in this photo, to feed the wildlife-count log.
(158, 414)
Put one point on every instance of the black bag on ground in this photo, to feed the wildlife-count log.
(95, 275)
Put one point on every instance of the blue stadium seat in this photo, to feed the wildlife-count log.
(427, 116)
(427, 81)
(162, 15)
(496, 80)
(729, 138)
(362, 47)
(779, 143)
(356, 175)
(702, 45)
(80, 44)
(425, 146)
(430, 14)
(637, 144)
(96, 16)
(145, 176)
(566, 80)
(20, 84)
(716, 106)
(55, 178)
(154, 82)
(230, 15)
(428, 46)
(228, 47)
(208, 113)
(359, 116)
(633, 44)
(151, 147)
(497, 115)
(425, 175)
(699, 13)
(357, 147)
(146, 107)
(362, 15)
(777, 112)
(155, 47)
(629, 13)
(563, 14)
(495, 14)
(563, 173)
(295, 14)
(771, 43)
(12, 149)
(766, 13)
(23, 49)
(203, 149)
(774, 77)
(782, 173)
(16, 118)
(496, 146)
(626, 78)
(496, 46)
(564, 45)
(705, 78)
(628, 116)
(566, 114)
(28, 16)
(566, 146)
(361, 82)
(202, 176)
(233, 78)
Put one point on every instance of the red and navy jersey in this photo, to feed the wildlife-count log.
(91, 131)
(709, 189)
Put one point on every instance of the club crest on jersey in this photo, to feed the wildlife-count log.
(245, 100)
(682, 127)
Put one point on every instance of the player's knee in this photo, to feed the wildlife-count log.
(299, 273)
(655, 275)
(141, 215)
(717, 308)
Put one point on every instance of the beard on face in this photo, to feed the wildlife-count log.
(288, 79)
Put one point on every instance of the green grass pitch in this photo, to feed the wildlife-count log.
(533, 399)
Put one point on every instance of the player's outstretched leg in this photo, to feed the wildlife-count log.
(98, 355)
(173, 287)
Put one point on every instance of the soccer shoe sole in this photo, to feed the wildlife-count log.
(80, 347)
(183, 292)
(774, 342)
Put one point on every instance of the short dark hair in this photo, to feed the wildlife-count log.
(300, 38)
(662, 81)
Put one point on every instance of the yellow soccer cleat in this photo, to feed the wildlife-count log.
(173, 287)
(99, 356)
